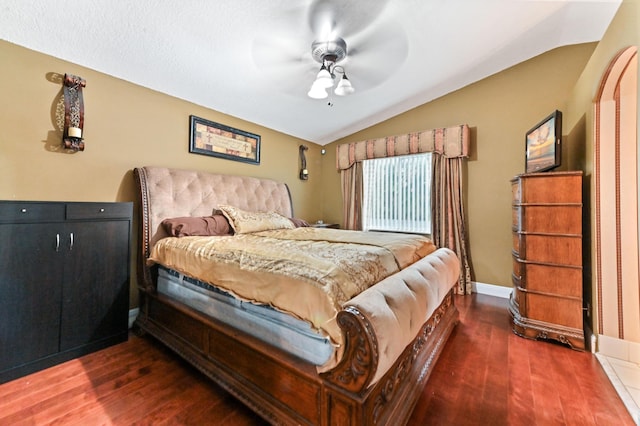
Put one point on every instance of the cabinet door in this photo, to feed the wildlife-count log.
(96, 282)
(30, 293)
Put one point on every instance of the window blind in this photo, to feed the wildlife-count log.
(397, 194)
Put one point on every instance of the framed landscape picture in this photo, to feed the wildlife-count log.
(544, 144)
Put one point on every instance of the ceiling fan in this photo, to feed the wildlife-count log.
(289, 55)
(329, 53)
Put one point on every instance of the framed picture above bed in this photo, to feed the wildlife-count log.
(217, 140)
(544, 144)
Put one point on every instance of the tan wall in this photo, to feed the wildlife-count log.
(624, 31)
(500, 110)
(125, 126)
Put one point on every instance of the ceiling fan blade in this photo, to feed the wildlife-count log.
(329, 19)
(281, 41)
(285, 63)
(275, 49)
(384, 37)
(373, 55)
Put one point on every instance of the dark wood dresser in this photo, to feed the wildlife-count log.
(64, 281)
(546, 302)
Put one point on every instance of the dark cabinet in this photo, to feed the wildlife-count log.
(30, 294)
(64, 281)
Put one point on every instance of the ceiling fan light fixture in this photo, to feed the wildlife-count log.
(324, 78)
(344, 87)
(329, 53)
(317, 91)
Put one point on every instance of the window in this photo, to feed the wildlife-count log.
(397, 194)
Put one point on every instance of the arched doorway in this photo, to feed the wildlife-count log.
(616, 236)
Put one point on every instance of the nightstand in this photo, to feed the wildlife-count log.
(325, 225)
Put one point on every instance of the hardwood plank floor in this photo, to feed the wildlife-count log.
(486, 376)
(489, 376)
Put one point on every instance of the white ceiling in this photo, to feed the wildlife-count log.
(252, 58)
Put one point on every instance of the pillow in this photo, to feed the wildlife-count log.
(244, 222)
(201, 226)
(299, 223)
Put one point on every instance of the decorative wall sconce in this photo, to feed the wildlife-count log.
(73, 112)
(304, 173)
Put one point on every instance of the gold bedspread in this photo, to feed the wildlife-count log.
(307, 272)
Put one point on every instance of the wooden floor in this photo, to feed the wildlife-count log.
(486, 376)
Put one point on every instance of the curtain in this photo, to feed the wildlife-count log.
(447, 214)
(450, 146)
(351, 179)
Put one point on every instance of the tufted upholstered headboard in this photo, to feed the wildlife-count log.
(167, 193)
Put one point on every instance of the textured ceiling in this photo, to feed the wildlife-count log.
(252, 58)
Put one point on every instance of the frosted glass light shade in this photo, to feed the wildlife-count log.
(344, 87)
(317, 91)
(324, 78)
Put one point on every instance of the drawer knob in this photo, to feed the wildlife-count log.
(23, 210)
(101, 210)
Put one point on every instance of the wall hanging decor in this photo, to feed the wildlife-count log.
(217, 140)
(304, 173)
(73, 112)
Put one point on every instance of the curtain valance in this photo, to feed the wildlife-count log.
(450, 142)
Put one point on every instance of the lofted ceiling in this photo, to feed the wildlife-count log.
(252, 58)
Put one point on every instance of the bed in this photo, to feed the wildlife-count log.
(361, 358)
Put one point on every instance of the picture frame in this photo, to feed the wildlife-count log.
(544, 144)
(218, 140)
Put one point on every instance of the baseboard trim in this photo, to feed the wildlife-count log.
(625, 350)
(133, 314)
(491, 289)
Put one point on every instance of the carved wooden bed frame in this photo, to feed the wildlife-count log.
(280, 387)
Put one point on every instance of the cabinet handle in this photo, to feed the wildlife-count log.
(70, 241)
(101, 210)
(23, 210)
(57, 242)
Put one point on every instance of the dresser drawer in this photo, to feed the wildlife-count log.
(26, 211)
(551, 188)
(99, 210)
(554, 310)
(558, 250)
(553, 219)
(559, 280)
